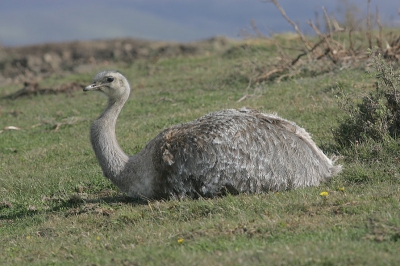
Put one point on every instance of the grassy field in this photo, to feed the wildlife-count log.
(56, 208)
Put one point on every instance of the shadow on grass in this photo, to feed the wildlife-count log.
(74, 204)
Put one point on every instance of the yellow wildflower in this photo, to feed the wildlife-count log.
(180, 240)
(324, 194)
(97, 238)
(341, 189)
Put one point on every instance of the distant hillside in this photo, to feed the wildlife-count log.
(37, 61)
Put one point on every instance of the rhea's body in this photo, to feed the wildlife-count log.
(235, 151)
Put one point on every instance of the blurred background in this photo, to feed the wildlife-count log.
(26, 22)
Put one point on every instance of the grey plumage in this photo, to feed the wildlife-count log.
(235, 151)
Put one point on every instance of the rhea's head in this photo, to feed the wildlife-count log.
(112, 83)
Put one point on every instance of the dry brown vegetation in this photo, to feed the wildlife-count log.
(341, 46)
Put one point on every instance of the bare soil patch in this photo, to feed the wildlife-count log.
(34, 88)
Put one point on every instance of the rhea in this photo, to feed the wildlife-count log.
(228, 151)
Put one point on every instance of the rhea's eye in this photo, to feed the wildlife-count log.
(110, 79)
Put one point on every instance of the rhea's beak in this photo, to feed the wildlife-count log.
(92, 87)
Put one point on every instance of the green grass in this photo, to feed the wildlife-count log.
(56, 208)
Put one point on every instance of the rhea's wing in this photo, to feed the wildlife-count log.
(240, 151)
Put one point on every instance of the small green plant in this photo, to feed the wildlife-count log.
(377, 117)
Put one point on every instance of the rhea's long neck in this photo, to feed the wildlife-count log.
(111, 157)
